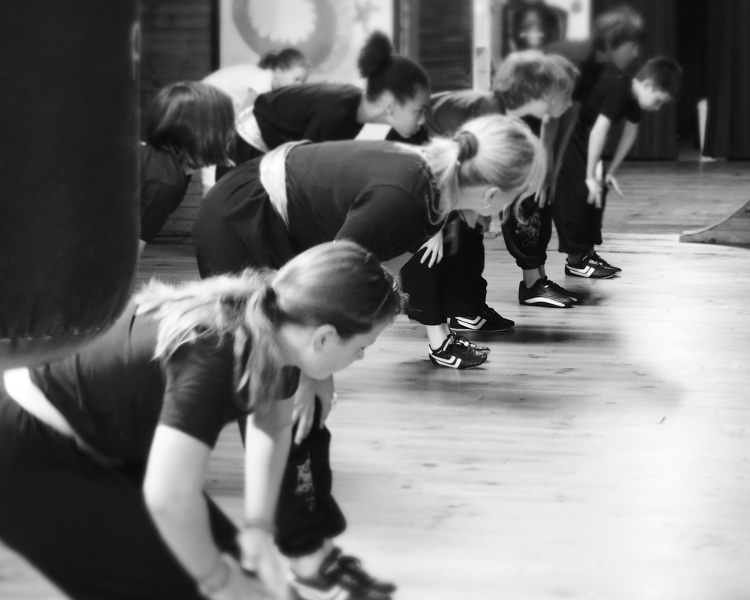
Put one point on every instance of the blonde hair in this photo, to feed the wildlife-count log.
(340, 284)
(531, 75)
(506, 154)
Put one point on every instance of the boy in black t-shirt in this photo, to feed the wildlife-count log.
(580, 193)
(613, 46)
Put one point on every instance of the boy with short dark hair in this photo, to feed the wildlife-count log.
(580, 194)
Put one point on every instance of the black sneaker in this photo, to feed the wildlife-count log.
(599, 259)
(590, 269)
(459, 339)
(561, 290)
(341, 577)
(455, 354)
(487, 321)
(542, 294)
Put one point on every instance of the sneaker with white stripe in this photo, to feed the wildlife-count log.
(487, 321)
(455, 353)
(542, 294)
(589, 268)
(341, 577)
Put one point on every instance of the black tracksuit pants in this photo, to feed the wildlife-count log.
(578, 223)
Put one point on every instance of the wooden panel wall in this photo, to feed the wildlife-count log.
(177, 45)
(445, 43)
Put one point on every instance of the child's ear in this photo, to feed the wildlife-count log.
(388, 102)
(323, 335)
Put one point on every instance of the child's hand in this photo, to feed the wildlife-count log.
(304, 407)
(260, 556)
(595, 191)
(611, 182)
(433, 249)
(543, 196)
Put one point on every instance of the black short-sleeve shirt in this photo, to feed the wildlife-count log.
(318, 112)
(583, 56)
(114, 393)
(378, 194)
(163, 186)
(613, 98)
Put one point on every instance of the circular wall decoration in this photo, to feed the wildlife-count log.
(321, 29)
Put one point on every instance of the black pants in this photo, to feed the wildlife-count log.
(578, 223)
(453, 287)
(527, 238)
(307, 513)
(84, 526)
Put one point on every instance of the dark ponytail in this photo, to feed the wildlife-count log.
(284, 60)
(386, 71)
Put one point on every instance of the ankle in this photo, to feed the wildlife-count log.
(436, 335)
(309, 565)
(530, 277)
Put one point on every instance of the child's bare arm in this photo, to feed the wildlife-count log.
(629, 135)
(597, 139)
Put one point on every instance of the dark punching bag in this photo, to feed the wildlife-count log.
(68, 139)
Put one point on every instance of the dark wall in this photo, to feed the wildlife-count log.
(445, 43)
(657, 137)
(177, 43)
(691, 52)
(728, 127)
(178, 40)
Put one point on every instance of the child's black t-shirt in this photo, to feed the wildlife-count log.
(582, 55)
(612, 97)
(114, 392)
(319, 112)
(377, 194)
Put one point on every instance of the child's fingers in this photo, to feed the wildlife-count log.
(304, 424)
(615, 186)
(325, 409)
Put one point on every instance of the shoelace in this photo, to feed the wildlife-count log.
(595, 258)
(351, 566)
(459, 339)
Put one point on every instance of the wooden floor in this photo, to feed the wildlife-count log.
(602, 452)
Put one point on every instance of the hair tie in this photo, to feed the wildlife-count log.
(270, 302)
(468, 144)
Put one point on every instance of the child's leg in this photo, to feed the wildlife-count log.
(423, 285)
(464, 288)
(526, 232)
(307, 514)
(578, 223)
(308, 518)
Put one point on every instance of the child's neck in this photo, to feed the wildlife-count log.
(370, 112)
(601, 56)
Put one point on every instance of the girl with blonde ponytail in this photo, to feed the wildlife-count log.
(103, 455)
(444, 280)
(390, 198)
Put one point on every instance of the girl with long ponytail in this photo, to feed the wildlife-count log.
(390, 198)
(103, 455)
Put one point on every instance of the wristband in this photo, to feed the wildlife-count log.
(262, 524)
